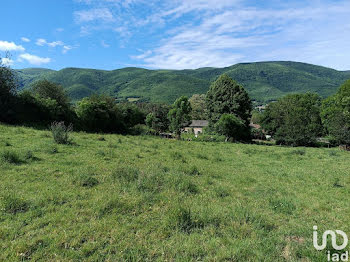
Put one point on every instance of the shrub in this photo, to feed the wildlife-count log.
(10, 157)
(14, 205)
(61, 132)
(233, 127)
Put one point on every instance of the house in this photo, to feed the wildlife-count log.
(196, 126)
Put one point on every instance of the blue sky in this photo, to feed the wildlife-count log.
(173, 34)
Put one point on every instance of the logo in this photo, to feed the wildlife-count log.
(333, 234)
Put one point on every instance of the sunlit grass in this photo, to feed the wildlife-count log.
(125, 198)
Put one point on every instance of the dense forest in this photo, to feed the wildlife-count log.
(264, 81)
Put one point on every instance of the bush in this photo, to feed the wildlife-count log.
(233, 127)
(61, 132)
(10, 157)
(100, 114)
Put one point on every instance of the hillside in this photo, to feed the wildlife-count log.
(142, 198)
(265, 81)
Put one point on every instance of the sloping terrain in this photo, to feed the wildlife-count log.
(142, 198)
(265, 81)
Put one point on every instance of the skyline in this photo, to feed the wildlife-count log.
(112, 34)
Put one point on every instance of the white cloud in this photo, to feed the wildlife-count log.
(195, 33)
(66, 48)
(7, 61)
(56, 43)
(33, 59)
(25, 39)
(41, 42)
(100, 14)
(10, 46)
(245, 34)
(104, 44)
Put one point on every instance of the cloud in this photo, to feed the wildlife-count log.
(10, 46)
(41, 42)
(66, 48)
(239, 33)
(24, 39)
(33, 59)
(6, 61)
(56, 43)
(194, 33)
(104, 44)
(99, 14)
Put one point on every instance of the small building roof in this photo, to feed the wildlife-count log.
(199, 123)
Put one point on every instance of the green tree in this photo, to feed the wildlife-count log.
(48, 90)
(179, 115)
(199, 107)
(231, 126)
(225, 96)
(132, 115)
(157, 118)
(52, 98)
(336, 115)
(8, 89)
(100, 114)
(294, 119)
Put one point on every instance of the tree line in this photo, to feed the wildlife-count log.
(298, 119)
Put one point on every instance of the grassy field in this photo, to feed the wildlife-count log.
(125, 198)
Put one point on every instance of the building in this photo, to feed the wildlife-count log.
(197, 126)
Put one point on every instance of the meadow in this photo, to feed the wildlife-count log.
(142, 198)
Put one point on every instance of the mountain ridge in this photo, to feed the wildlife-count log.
(264, 81)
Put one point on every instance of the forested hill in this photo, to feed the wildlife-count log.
(265, 81)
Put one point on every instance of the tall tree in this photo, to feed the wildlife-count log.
(157, 118)
(179, 115)
(225, 96)
(46, 89)
(8, 89)
(294, 119)
(336, 115)
(199, 107)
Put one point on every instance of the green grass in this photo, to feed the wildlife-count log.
(152, 199)
(264, 81)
